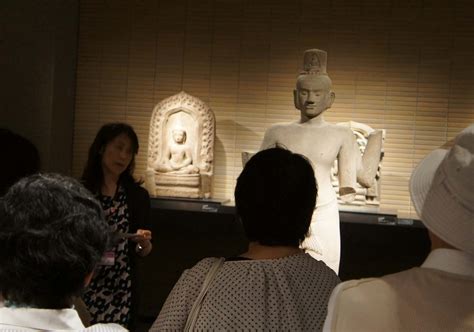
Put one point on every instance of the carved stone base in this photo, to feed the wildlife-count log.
(184, 180)
(178, 192)
(182, 185)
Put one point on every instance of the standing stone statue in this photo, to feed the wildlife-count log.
(323, 143)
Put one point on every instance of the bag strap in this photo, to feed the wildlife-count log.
(194, 313)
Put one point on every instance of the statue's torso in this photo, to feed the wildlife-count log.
(178, 153)
(319, 143)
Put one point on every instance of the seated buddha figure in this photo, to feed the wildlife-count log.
(177, 157)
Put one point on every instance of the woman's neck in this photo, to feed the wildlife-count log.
(109, 186)
(260, 251)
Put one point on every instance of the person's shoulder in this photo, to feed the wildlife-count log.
(205, 263)
(357, 285)
(134, 189)
(359, 305)
(375, 287)
(197, 273)
(142, 191)
(318, 267)
(201, 267)
(351, 290)
(366, 292)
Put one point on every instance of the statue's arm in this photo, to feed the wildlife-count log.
(348, 161)
(162, 164)
(167, 156)
(188, 160)
(370, 160)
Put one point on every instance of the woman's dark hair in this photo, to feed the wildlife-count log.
(93, 175)
(52, 234)
(275, 197)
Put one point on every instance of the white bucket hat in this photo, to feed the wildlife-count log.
(442, 191)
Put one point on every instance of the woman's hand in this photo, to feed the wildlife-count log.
(142, 239)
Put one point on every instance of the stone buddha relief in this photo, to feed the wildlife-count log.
(181, 148)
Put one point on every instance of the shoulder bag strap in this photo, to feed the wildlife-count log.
(193, 314)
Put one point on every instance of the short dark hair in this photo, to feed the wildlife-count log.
(21, 159)
(52, 234)
(93, 175)
(275, 197)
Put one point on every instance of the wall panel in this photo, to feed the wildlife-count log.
(405, 66)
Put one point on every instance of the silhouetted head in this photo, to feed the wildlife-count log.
(275, 197)
(52, 234)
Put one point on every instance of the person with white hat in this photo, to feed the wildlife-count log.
(439, 295)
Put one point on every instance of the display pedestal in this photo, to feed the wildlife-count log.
(187, 230)
(192, 204)
(184, 231)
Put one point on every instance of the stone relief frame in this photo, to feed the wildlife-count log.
(367, 199)
(192, 114)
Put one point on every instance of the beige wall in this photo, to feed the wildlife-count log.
(405, 66)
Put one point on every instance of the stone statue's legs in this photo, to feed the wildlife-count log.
(324, 240)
